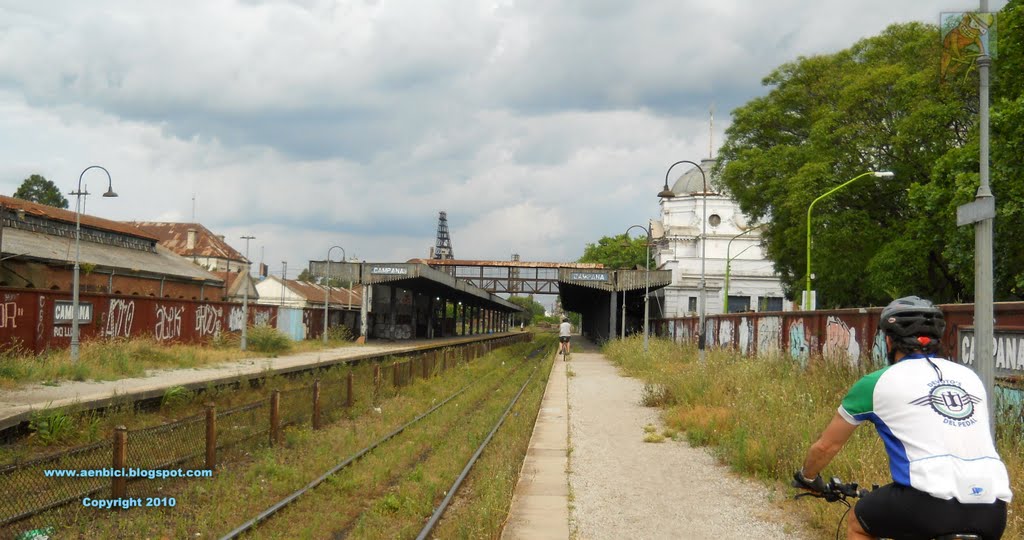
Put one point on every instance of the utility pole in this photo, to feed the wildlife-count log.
(245, 291)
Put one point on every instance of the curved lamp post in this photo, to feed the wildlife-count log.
(327, 283)
(807, 290)
(78, 233)
(703, 250)
(728, 261)
(647, 280)
(245, 292)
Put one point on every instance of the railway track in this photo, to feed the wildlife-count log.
(478, 403)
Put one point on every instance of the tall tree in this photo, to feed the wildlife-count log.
(618, 251)
(38, 189)
(875, 106)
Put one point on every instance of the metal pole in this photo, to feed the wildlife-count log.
(75, 338)
(983, 287)
(647, 290)
(327, 284)
(245, 292)
(623, 334)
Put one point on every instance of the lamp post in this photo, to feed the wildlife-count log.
(245, 291)
(78, 233)
(703, 250)
(327, 283)
(647, 280)
(807, 291)
(728, 261)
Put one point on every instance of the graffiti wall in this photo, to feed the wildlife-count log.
(850, 336)
(40, 320)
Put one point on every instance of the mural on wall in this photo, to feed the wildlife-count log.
(208, 320)
(840, 341)
(769, 335)
(168, 322)
(120, 315)
(746, 334)
(798, 348)
(725, 333)
(878, 352)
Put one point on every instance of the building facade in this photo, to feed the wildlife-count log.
(734, 263)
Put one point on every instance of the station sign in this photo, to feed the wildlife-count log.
(588, 276)
(63, 311)
(389, 270)
(1009, 349)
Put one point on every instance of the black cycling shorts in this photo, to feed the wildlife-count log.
(563, 339)
(900, 512)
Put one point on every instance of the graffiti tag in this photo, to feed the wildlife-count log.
(120, 316)
(208, 320)
(840, 340)
(168, 322)
(9, 313)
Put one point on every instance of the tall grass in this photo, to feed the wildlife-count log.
(760, 415)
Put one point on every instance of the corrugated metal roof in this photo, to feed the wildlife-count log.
(59, 249)
(68, 216)
(594, 279)
(174, 236)
(511, 264)
(628, 280)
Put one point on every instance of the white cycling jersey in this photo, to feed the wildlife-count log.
(931, 414)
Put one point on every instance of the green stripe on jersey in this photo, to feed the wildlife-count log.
(860, 399)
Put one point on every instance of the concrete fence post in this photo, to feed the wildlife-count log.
(316, 404)
(211, 436)
(275, 417)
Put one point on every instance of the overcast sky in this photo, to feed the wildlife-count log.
(538, 125)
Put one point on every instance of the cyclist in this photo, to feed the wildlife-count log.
(564, 332)
(932, 415)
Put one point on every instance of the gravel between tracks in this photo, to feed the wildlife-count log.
(626, 488)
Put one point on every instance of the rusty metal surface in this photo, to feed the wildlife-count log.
(631, 280)
(601, 279)
(174, 236)
(12, 204)
(510, 264)
(850, 335)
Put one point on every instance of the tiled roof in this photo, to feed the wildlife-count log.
(174, 236)
(315, 293)
(68, 216)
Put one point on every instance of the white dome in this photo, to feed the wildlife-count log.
(691, 181)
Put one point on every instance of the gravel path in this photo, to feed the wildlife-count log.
(626, 488)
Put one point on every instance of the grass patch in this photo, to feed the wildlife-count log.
(760, 415)
(654, 438)
(268, 340)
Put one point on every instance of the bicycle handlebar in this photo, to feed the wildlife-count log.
(835, 490)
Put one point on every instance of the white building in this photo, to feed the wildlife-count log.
(752, 283)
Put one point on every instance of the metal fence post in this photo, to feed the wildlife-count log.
(349, 398)
(211, 436)
(275, 417)
(395, 374)
(316, 404)
(119, 484)
(376, 375)
(426, 366)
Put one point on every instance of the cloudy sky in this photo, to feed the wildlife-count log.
(538, 125)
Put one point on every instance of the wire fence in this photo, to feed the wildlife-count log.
(36, 497)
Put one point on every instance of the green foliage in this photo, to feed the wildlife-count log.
(51, 426)
(879, 106)
(339, 333)
(269, 340)
(38, 189)
(175, 396)
(533, 308)
(619, 251)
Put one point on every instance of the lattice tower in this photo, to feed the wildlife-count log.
(443, 247)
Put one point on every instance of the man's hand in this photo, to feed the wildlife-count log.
(817, 484)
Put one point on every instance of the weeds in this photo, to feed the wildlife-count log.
(175, 396)
(657, 395)
(269, 340)
(52, 426)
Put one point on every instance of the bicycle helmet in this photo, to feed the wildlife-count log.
(913, 323)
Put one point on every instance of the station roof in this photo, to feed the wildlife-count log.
(413, 276)
(581, 290)
(510, 264)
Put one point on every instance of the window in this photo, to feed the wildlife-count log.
(739, 304)
(692, 305)
(769, 303)
(714, 220)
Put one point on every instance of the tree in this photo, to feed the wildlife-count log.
(534, 309)
(875, 106)
(617, 252)
(38, 189)
(306, 276)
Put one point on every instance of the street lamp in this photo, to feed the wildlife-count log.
(728, 261)
(703, 250)
(245, 291)
(876, 174)
(327, 283)
(78, 233)
(647, 279)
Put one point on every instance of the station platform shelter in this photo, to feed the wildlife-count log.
(611, 302)
(414, 301)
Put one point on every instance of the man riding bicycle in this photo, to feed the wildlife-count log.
(564, 332)
(933, 418)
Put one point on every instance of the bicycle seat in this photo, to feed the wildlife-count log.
(958, 536)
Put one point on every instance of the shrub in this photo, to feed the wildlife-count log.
(51, 426)
(265, 339)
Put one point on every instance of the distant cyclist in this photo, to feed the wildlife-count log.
(564, 333)
(932, 415)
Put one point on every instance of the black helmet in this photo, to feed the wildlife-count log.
(911, 317)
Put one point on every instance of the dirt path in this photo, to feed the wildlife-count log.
(623, 487)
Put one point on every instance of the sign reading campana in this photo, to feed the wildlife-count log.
(389, 270)
(63, 311)
(1008, 350)
(588, 276)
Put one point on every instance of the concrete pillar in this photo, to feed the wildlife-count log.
(430, 317)
(462, 315)
(613, 315)
(364, 312)
(392, 312)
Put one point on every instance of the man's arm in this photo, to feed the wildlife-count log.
(827, 446)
